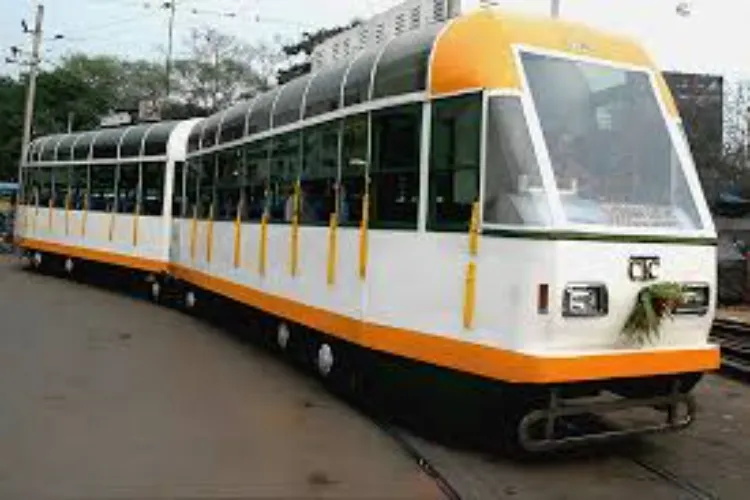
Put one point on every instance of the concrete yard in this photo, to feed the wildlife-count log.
(106, 396)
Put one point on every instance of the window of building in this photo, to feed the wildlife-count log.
(127, 188)
(354, 166)
(228, 181)
(454, 161)
(152, 188)
(320, 173)
(285, 171)
(102, 195)
(394, 174)
(256, 180)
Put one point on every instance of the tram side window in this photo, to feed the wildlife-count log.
(61, 181)
(102, 193)
(320, 173)
(31, 185)
(207, 187)
(256, 180)
(229, 178)
(44, 177)
(152, 188)
(513, 192)
(192, 177)
(394, 174)
(354, 161)
(127, 188)
(178, 190)
(454, 161)
(79, 185)
(285, 171)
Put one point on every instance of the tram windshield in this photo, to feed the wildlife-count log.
(612, 154)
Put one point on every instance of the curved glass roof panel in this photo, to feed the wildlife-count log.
(357, 85)
(34, 149)
(260, 117)
(82, 145)
(210, 130)
(233, 126)
(403, 67)
(157, 138)
(325, 90)
(289, 106)
(194, 139)
(132, 140)
(107, 142)
(63, 149)
(48, 147)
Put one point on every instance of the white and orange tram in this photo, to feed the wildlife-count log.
(487, 196)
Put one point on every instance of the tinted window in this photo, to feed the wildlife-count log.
(233, 126)
(60, 182)
(102, 194)
(285, 171)
(454, 161)
(127, 188)
(178, 190)
(320, 172)
(228, 182)
(354, 161)
(152, 188)
(132, 141)
(106, 144)
(207, 187)
(256, 179)
(394, 174)
(158, 138)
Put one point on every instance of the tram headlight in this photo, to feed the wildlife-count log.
(696, 298)
(585, 300)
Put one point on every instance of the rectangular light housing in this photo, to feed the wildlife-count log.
(696, 299)
(585, 300)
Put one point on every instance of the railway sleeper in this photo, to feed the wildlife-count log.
(543, 429)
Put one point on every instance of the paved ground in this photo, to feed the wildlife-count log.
(103, 396)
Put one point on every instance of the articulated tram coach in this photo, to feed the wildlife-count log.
(495, 196)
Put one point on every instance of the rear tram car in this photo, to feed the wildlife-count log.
(490, 196)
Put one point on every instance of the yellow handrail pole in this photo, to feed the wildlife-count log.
(332, 248)
(238, 236)
(67, 214)
(294, 240)
(210, 234)
(85, 215)
(470, 283)
(263, 245)
(363, 233)
(136, 220)
(193, 232)
(49, 213)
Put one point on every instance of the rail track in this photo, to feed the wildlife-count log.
(734, 339)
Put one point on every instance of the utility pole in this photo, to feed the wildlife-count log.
(172, 5)
(36, 46)
(555, 9)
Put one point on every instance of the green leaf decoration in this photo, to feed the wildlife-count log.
(653, 304)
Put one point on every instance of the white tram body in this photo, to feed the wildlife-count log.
(523, 180)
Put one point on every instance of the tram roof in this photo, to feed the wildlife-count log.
(475, 51)
(142, 140)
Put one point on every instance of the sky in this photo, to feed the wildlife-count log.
(709, 40)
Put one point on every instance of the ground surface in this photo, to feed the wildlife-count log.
(105, 396)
